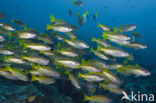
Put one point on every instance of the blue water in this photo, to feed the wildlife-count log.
(36, 14)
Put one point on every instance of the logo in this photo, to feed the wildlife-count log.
(138, 97)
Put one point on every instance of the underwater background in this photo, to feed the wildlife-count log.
(36, 14)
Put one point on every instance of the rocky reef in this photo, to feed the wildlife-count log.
(19, 92)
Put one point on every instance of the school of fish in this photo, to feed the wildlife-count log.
(29, 56)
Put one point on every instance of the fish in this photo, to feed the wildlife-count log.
(97, 99)
(70, 12)
(36, 59)
(117, 36)
(100, 55)
(52, 18)
(7, 74)
(77, 3)
(74, 27)
(109, 75)
(57, 36)
(85, 16)
(81, 44)
(67, 62)
(2, 16)
(136, 34)
(4, 31)
(114, 66)
(67, 52)
(12, 59)
(32, 98)
(120, 42)
(89, 68)
(111, 87)
(48, 53)
(77, 44)
(91, 77)
(1, 38)
(7, 27)
(113, 51)
(136, 70)
(43, 79)
(101, 42)
(135, 45)
(74, 80)
(60, 27)
(6, 52)
(19, 23)
(1, 24)
(116, 90)
(98, 63)
(35, 72)
(60, 22)
(71, 35)
(46, 71)
(104, 27)
(39, 47)
(80, 19)
(17, 73)
(126, 28)
(108, 85)
(45, 38)
(24, 34)
(95, 16)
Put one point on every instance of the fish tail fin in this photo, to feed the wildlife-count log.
(92, 50)
(77, 66)
(8, 68)
(93, 39)
(115, 29)
(23, 57)
(79, 75)
(86, 12)
(48, 27)
(99, 48)
(20, 43)
(99, 25)
(12, 21)
(34, 78)
(10, 35)
(58, 45)
(67, 72)
(34, 66)
(24, 46)
(52, 18)
(100, 85)
(96, 14)
(77, 14)
(25, 24)
(55, 61)
(27, 71)
(101, 68)
(121, 69)
(25, 27)
(73, 1)
(104, 35)
(86, 97)
(4, 57)
(58, 48)
(64, 40)
(83, 61)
